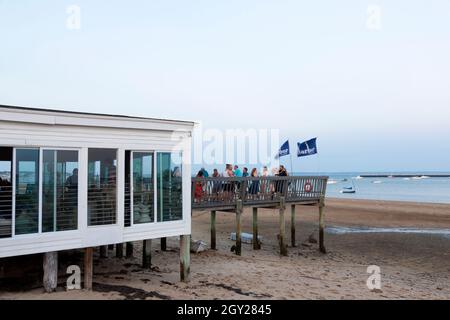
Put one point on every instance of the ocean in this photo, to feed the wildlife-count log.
(420, 188)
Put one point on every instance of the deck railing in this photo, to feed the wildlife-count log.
(259, 191)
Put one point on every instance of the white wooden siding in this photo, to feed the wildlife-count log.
(45, 129)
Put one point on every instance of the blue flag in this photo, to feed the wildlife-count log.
(284, 150)
(307, 148)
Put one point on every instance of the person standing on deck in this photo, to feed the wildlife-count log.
(216, 173)
(282, 172)
(237, 171)
(228, 171)
(254, 184)
(198, 193)
(216, 185)
(245, 172)
(205, 173)
(227, 185)
(265, 186)
(279, 185)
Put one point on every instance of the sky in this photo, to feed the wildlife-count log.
(373, 86)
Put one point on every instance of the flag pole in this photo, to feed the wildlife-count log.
(292, 166)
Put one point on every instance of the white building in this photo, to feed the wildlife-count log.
(76, 180)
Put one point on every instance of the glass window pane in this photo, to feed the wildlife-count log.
(6, 158)
(143, 192)
(169, 187)
(27, 191)
(127, 188)
(102, 188)
(60, 190)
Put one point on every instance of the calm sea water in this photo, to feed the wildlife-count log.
(425, 189)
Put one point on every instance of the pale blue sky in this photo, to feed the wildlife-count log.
(377, 100)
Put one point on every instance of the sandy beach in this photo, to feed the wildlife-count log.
(413, 266)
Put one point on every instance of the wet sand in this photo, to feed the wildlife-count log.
(413, 266)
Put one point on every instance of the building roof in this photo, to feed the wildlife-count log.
(62, 117)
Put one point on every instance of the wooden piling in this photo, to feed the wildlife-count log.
(163, 244)
(129, 249)
(119, 250)
(213, 230)
(238, 247)
(293, 225)
(50, 279)
(103, 251)
(321, 226)
(185, 257)
(88, 268)
(283, 248)
(256, 243)
(146, 253)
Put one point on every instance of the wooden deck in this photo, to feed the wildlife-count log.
(233, 194)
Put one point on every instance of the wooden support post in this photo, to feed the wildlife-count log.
(163, 244)
(256, 243)
(185, 258)
(213, 230)
(238, 249)
(50, 271)
(293, 225)
(321, 226)
(104, 252)
(283, 248)
(119, 250)
(88, 268)
(146, 253)
(129, 249)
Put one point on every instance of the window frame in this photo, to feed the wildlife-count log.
(41, 184)
(181, 153)
(153, 152)
(117, 159)
(40, 191)
(13, 220)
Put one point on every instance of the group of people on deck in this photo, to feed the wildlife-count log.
(227, 188)
(235, 171)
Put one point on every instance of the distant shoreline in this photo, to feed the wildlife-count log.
(389, 201)
(403, 175)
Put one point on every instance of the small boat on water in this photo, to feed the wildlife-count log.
(351, 189)
(420, 177)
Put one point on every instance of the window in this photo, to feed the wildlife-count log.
(6, 159)
(143, 190)
(102, 186)
(27, 191)
(169, 186)
(127, 188)
(60, 190)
